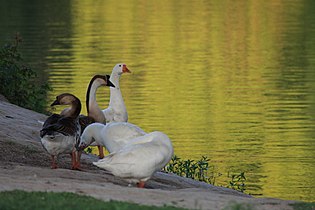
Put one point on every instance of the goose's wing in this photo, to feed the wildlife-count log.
(109, 114)
(139, 160)
(51, 120)
(64, 125)
(85, 121)
(122, 132)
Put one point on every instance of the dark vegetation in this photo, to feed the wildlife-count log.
(19, 81)
(201, 170)
(303, 206)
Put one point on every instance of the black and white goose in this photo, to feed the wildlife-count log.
(94, 112)
(61, 132)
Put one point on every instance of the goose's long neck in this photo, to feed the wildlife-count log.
(114, 78)
(116, 99)
(74, 109)
(98, 135)
(93, 132)
(91, 97)
(105, 141)
(93, 110)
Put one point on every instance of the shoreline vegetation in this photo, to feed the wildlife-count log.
(19, 82)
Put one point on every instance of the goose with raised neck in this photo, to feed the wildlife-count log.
(116, 111)
(94, 112)
(92, 107)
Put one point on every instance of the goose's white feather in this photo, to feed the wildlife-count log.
(40, 122)
(113, 135)
(59, 144)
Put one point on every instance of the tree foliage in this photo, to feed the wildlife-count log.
(19, 81)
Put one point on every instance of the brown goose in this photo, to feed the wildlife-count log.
(61, 132)
(94, 112)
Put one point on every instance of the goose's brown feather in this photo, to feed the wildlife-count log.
(57, 123)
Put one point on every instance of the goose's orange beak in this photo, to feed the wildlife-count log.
(125, 69)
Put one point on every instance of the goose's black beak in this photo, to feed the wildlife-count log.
(109, 83)
(56, 102)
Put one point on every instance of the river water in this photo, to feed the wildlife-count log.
(230, 80)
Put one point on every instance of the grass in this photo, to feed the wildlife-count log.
(16, 200)
(239, 206)
(246, 206)
(303, 206)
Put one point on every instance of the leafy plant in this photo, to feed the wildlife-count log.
(18, 80)
(88, 150)
(237, 182)
(198, 170)
(201, 170)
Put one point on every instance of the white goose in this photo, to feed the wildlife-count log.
(140, 158)
(116, 111)
(113, 136)
(61, 132)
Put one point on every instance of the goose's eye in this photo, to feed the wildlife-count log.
(119, 65)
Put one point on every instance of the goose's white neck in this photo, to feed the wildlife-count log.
(94, 132)
(114, 78)
(116, 100)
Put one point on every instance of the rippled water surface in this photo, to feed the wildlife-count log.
(230, 80)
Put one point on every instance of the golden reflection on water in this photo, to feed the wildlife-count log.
(231, 80)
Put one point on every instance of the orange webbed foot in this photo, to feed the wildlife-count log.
(141, 184)
(53, 166)
(53, 162)
(100, 152)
